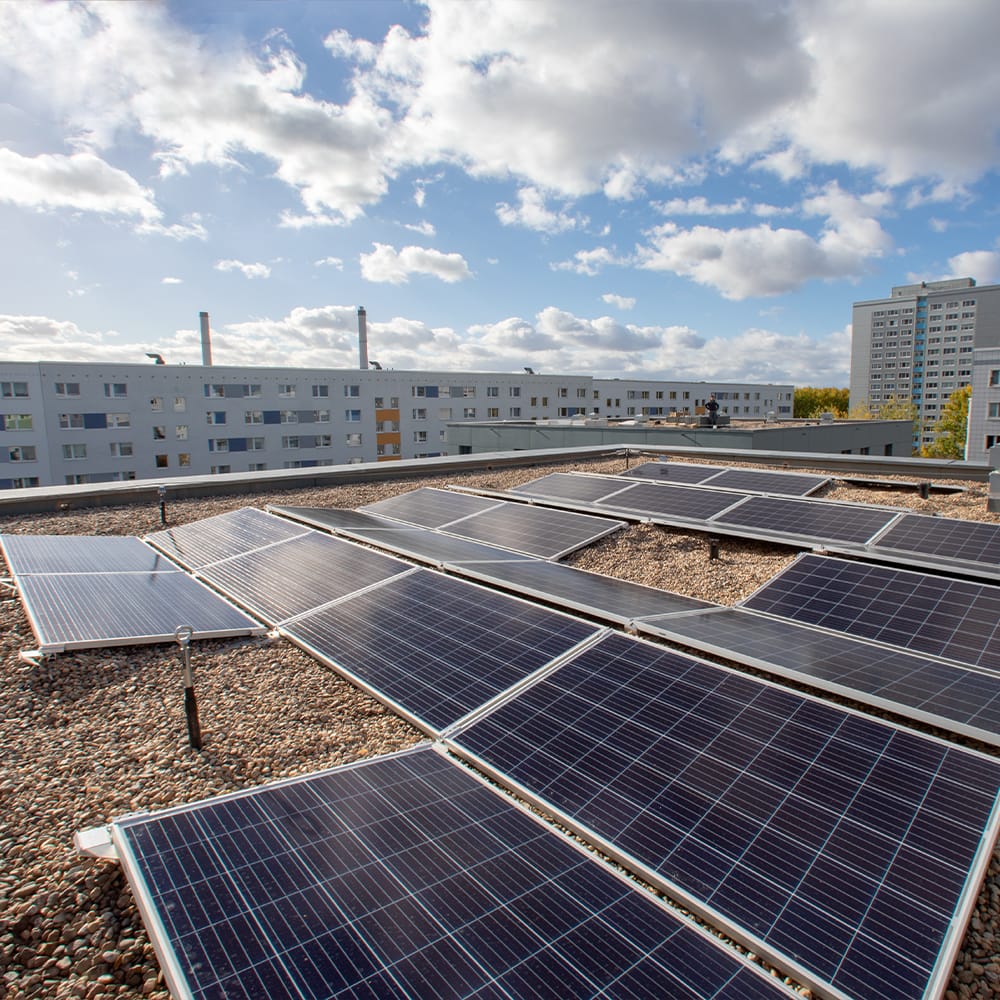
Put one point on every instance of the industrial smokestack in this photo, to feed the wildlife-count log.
(206, 341)
(363, 338)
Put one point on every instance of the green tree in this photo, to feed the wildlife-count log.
(950, 430)
(811, 402)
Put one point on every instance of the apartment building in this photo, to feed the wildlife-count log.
(918, 345)
(75, 422)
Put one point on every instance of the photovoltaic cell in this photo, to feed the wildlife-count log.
(602, 596)
(947, 537)
(537, 531)
(80, 554)
(847, 849)
(567, 486)
(673, 472)
(404, 876)
(953, 697)
(938, 615)
(430, 508)
(299, 574)
(202, 542)
(335, 518)
(89, 610)
(809, 519)
(688, 502)
(434, 646)
(762, 481)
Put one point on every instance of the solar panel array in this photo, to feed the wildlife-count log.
(84, 592)
(751, 480)
(429, 507)
(944, 694)
(936, 615)
(845, 849)
(945, 538)
(404, 876)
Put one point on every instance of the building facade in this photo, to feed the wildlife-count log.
(67, 422)
(918, 345)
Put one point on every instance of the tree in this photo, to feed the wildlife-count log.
(811, 402)
(950, 430)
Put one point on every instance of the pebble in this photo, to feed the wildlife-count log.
(90, 735)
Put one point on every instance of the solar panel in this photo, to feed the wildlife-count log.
(673, 472)
(403, 876)
(567, 486)
(689, 502)
(537, 531)
(433, 547)
(335, 518)
(938, 615)
(436, 647)
(90, 610)
(80, 554)
(847, 850)
(202, 542)
(763, 481)
(600, 596)
(430, 508)
(946, 537)
(943, 694)
(299, 574)
(809, 519)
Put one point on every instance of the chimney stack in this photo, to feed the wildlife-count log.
(206, 341)
(363, 338)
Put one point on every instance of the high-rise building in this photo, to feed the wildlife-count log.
(917, 345)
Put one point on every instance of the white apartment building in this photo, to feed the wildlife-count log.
(918, 344)
(87, 422)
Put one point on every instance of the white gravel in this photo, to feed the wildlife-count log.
(89, 736)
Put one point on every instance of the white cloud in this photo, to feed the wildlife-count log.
(700, 206)
(386, 264)
(983, 265)
(82, 182)
(425, 228)
(619, 301)
(247, 270)
(531, 213)
(171, 281)
(588, 262)
(334, 262)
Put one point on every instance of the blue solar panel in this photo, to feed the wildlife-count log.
(430, 508)
(939, 615)
(686, 502)
(764, 481)
(335, 519)
(80, 554)
(673, 472)
(945, 538)
(436, 647)
(842, 847)
(567, 486)
(403, 876)
(953, 697)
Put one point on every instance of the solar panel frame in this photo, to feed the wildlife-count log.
(765, 481)
(679, 503)
(31, 554)
(435, 648)
(289, 578)
(946, 541)
(457, 854)
(862, 743)
(335, 519)
(435, 548)
(932, 614)
(672, 472)
(198, 543)
(948, 695)
(582, 487)
(429, 507)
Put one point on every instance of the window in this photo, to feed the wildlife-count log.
(387, 426)
(419, 414)
(121, 449)
(320, 391)
(23, 453)
(444, 413)
(563, 393)
(994, 411)
(218, 417)
(255, 444)
(18, 422)
(290, 442)
(582, 394)
(215, 391)
(289, 417)
(515, 391)
(492, 391)
(386, 449)
(257, 466)
(14, 390)
(420, 437)
(156, 404)
(77, 480)
(180, 404)
(115, 390)
(181, 432)
(24, 482)
(70, 421)
(469, 413)
(74, 452)
(515, 411)
(323, 441)
(352, 416)
(119, 420)
(159, 433)
(321, 416)
(251, 417)
(254, 391)
(493, 413)
(67, 388)
(545, 400)
(287, 390)
(353, 440)
(184, 459)
(352, 390)
(219, 444)
(219, 470)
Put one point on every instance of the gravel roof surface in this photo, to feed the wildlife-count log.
(88, 736)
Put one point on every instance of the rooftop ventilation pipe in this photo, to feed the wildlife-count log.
(362, 338)
(206, 341)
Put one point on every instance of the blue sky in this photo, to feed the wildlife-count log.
(692, 189)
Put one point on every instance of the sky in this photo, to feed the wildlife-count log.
(678, 189)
